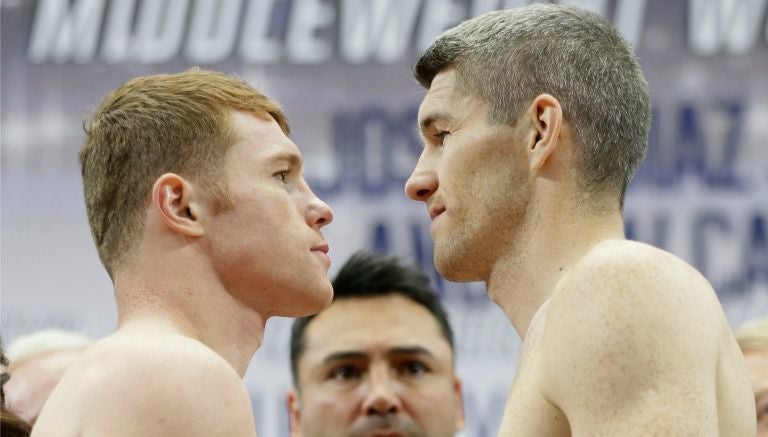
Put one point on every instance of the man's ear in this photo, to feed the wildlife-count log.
(460, 418)
(179, 204)
(292, 403)
(547, 118)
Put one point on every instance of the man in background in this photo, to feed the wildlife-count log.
(753, 340)
(203, 220)
(37, 362)
(534, 122)
(378, 361)
(11, 425)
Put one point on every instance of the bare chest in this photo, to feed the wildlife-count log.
(528, 412)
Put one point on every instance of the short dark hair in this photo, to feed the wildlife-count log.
(368, 275)
(509, 57)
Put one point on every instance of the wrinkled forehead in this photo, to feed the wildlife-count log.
(441, 93)
(373, 326)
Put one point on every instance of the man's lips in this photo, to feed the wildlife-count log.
(386, 433)
(435, 211)
(321, 248)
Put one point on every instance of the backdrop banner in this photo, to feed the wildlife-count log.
(341, 68)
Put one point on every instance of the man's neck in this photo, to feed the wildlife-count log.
(523, 279)
(192, 303)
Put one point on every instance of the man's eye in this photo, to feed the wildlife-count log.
(414, 368)
(282, 174)
(344, 373)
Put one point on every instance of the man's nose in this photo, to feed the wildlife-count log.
(382, 397)
(319, 213)
(423, 181)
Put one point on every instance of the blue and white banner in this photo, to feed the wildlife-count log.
(341, 68)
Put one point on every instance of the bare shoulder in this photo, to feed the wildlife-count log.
(625, 259)
(631, 328)
(151, 385)
(625, 274)
(625, 290)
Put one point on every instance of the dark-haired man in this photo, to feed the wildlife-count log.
(534, 122)
(378, 361)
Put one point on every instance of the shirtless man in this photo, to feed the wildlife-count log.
(202, 218)
(534, 122)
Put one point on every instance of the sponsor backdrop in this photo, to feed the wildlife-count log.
(342, 70)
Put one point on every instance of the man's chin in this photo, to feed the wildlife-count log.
(311, 304)
(386, 433)
(453, 269)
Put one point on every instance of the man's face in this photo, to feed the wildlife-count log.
(267, 248)
(757, 364)
(473, 177)
(376, 367)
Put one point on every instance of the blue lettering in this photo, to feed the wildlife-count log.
(376, 132)
(630, 230)
(691, 151)
(342, 138)
(380, 242)
(725, 175)
(375, 148)
(659, 235)
(669, 161)
(660, 231)
(702, 227)
(693, 156)
(756, 251)
(655, 169)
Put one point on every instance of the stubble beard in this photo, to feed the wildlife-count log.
(400, 424)
(469, 250)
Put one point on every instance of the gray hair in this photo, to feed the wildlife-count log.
(509, 57)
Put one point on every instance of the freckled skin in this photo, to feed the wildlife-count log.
(193, 303)
(619, 338)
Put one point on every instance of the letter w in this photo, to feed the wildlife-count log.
(729, 26)
(380, 28)
(60, 34)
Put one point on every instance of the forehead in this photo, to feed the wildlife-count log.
(262, 137)
(439, 96)
(444, 102)
(373, 325)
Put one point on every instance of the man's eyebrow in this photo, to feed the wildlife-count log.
(410, 350)
(342, 355)
(426, 123)
(394, 351)
(289, 157)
